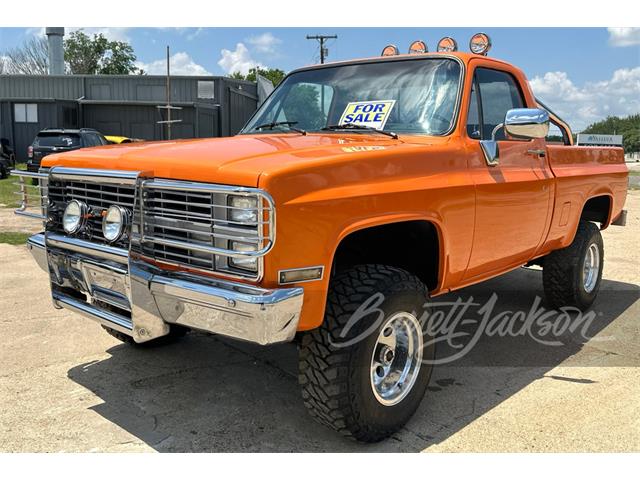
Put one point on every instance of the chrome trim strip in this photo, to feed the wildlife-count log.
(25, 173)
(36, 245)
(106, 252)
(117, 177)
(104, 317)
(207, 249)
(25, 195)
(229, 291)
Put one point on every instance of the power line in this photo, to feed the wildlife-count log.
(321, 39)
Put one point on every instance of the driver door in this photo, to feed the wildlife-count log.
(513, 198)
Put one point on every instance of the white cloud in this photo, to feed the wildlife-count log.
(264, 43)
(238, 60)
(195, 33)
(624, 36)
(580, 106)
(181, 64)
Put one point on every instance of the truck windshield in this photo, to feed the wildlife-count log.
(402, 96)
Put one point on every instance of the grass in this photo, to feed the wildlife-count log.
(7, 187)
(14, 238)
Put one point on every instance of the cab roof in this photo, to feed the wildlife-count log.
(464, 57)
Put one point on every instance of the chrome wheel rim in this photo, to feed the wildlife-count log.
(591, 268)
(396, 358)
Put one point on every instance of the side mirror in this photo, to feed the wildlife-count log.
(527, 123)
(520, 123)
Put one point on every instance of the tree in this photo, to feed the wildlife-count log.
(628, 127)
(31, 58)
(98, 55)
(275, 75)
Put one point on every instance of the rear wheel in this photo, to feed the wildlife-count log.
(4, 170)
(175, 333)
(572, 275)
(366, 378)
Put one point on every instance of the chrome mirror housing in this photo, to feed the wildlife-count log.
(520, 123)
(527, 123)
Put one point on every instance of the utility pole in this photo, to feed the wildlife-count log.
(321, 39)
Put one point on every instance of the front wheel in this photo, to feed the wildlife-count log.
(571, 276)
(365, 375)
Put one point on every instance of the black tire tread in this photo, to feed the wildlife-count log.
(559, 265)
(324, 369)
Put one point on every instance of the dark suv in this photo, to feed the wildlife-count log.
(56, 140)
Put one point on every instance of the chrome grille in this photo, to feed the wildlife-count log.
(189, 224)
(98, 196)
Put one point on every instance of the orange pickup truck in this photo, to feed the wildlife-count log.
(398, 178)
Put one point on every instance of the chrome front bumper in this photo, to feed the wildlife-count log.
(141, 300)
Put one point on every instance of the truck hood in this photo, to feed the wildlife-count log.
(239, 160)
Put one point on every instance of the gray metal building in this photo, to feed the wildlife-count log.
(125, 105)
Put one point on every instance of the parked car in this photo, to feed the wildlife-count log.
(395, 179)
(57, 140)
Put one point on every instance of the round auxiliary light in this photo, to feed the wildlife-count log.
(418, 47)
(447, 44)
(74, 216)
(389, 51)
(114, 222)
(480, 44)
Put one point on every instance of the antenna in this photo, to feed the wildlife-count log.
(324, 52)
(168, 122)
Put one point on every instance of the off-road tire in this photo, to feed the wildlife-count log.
(335, 380)
(4, 170)
(562, 270)
(175, 333)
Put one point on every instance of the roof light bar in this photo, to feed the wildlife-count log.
(389, 51)
(418, 47)
(447, 44)
(480, 44)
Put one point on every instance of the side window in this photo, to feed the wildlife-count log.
(498, 94)
(473, 118)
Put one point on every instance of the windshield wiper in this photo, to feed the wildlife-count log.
(355, 126)
(273, 125)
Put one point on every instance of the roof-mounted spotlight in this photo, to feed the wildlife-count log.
(418, 47)
(447, 44)
(480, 44)
(389, 51)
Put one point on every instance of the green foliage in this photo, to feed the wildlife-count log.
(274, 74)
(14, 238)
(302, 105)
(98, 55)
(628, 127)
(7, 188)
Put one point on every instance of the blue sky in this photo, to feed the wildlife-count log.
(585, 73)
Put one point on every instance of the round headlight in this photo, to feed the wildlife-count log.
(114, 222)
(418, 47)
(480, 44)
(389, 50)
(74, 216)
(447, 44)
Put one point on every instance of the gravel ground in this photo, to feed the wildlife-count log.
(65, 385)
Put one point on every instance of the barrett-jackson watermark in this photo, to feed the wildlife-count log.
(443, 322)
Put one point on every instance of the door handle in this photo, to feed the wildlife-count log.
(539, 152)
